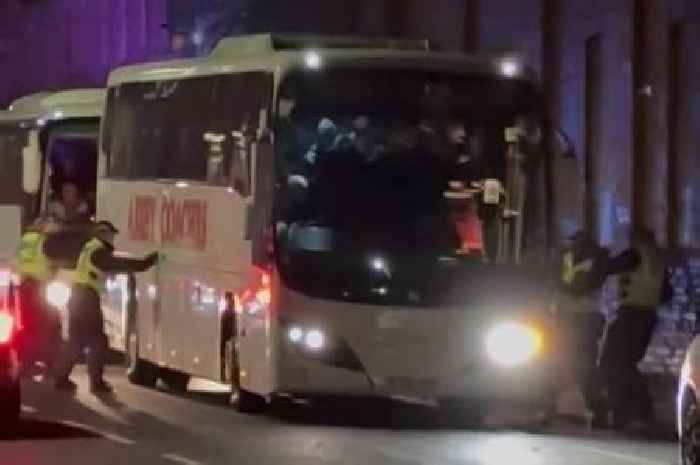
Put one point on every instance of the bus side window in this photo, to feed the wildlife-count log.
(228, 159)
(186, 129)
(239, 99)
(216, 158)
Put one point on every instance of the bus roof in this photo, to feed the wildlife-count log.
(279, 53)
(55, 106)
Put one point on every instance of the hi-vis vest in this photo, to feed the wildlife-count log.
(570, 269)
(571, 301)
(31, 261)
(642, 287)
(87, 274)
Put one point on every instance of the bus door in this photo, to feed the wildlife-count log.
(202, 210)
(255, 323)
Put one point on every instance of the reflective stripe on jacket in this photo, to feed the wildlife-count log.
(86, 273)
(642, 287)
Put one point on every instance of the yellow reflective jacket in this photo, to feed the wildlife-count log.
(31, 260)
(642, 287)
(86, 273)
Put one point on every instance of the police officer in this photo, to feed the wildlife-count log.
(35, 269)
(86, 328)
(583, 267)
(643, 285)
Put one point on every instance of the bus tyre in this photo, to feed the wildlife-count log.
(175, 380)
(247, 402)
(138, 371)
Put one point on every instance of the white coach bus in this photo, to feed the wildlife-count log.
(47, 139)
(335, 217)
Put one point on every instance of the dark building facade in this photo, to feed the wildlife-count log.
(71, 43)
(621, 79)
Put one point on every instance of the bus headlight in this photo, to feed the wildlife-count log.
(312, 340)
(295, 334)
(315, 340)
(322, 346)
(510, 344)
(57, 294)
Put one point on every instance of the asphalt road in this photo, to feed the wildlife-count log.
(140, 426)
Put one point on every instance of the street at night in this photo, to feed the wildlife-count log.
(156, 427)
(372, 232)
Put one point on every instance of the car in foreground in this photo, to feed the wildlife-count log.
(687, 413)
(10, 397)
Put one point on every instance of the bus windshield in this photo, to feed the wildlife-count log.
(410, 165)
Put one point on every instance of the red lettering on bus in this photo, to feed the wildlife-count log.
(195, 219)
(142, 209)
(184, 223)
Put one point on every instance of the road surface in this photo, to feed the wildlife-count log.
(141, 426)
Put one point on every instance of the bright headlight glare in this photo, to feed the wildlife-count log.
(315, 340)
(7, 326)
(295, 334)
(312, 59)
(510, 344)
(510, 67)
(57, 294)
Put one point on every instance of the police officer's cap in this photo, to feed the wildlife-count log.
(106, 226)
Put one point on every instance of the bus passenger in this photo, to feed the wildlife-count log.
(70, 207)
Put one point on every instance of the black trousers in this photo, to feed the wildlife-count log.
(85, 331)
(30, 312)
(583, 332)
(626, 340)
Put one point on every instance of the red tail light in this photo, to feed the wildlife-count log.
(256, 298)
(7, 327)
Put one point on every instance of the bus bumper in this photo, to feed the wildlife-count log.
(530, 384)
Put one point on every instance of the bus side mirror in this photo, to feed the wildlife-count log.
(31, 164)
(265, 136)
(259, 206)
(249, 230)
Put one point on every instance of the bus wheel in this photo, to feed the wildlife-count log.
(175, 380)
(138, 371)
(247, 402)
(244, 401)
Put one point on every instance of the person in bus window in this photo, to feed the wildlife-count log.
(459, 159)
(365, 141)
(71, 206)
